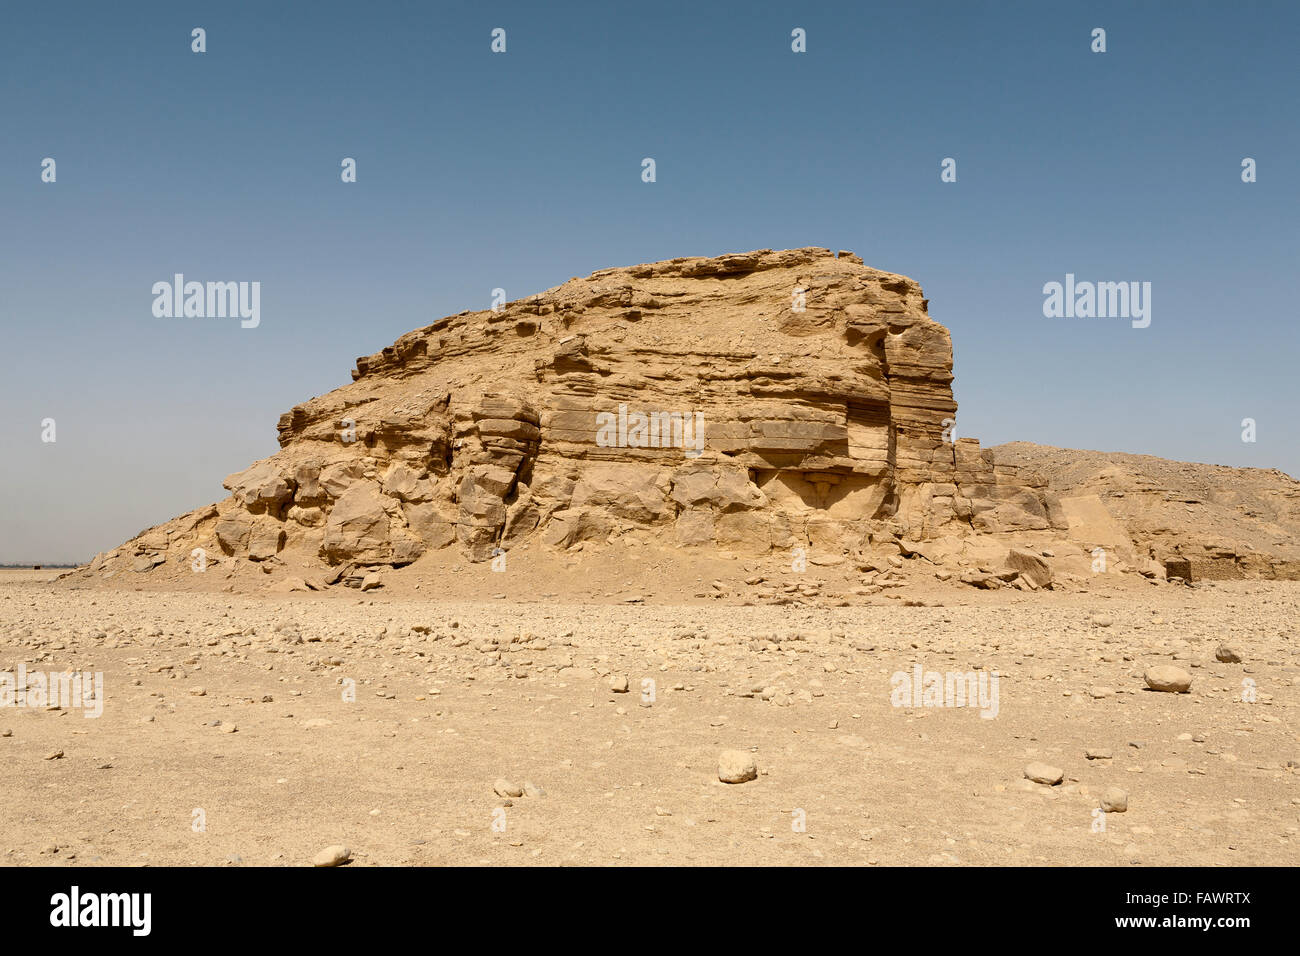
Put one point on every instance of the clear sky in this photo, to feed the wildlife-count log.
(520, 170)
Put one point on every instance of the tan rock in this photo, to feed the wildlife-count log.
(1227, 654)
(335, 855)
(358, 527)
(1032, 566)
(1114, 800)
(260, 486)
(736, 766)
(1168, 678)
(507, 788)
(1044, 773)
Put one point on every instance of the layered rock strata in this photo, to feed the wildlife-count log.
(750, 402)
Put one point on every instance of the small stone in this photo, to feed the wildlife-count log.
(618, 684)
(736, 766)
(1168, 678)
(1114, 800)
(1098, 693)
(228, 728)
(1044, 773)
(533, 790)
(371, 581)
(507, 788)
(335, 855)
(54, 755)
(1102, 620)
(1227, 654)
(1097, 754)
(198, 692)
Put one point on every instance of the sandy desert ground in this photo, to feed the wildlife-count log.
(225, 737)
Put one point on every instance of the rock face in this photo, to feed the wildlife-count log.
(759, 401)
(1172, 519)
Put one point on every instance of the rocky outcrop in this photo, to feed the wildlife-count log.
(766, 400)
(1172, 519)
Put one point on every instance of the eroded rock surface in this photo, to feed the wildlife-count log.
(745, 403)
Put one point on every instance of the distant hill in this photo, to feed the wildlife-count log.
(1227, 521)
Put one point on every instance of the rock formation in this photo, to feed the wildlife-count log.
(750, 402)
(1174, 518)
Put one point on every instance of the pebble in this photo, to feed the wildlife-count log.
(1227, 654)
(1114, 800)
(1044, 773)
(1168, 678)
(335, 855)
(736, 766)
(618, 684)
(507, 788)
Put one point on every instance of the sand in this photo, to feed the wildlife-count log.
(226, 737)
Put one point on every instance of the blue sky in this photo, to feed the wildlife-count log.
(519, 170)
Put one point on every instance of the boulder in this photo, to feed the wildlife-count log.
(1031, 566)
(260, 487)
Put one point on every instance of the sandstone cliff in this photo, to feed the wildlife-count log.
(748, 403)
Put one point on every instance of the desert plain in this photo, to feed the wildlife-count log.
(227, 736)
